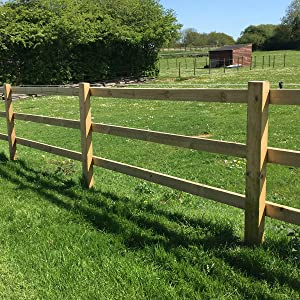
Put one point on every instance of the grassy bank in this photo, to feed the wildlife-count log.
(128, 239)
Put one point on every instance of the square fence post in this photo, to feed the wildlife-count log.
(10, 122)
(86, 134)
(257, 149)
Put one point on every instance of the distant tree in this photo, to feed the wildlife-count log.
(257, 35)
(190, 37)
(292, 22)
(274, 37)
(219, 39)
(280, 39)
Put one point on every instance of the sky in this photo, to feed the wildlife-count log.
(230, 17)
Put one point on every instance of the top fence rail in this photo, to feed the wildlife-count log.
(276, 97)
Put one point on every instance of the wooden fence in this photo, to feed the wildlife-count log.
(258, 97)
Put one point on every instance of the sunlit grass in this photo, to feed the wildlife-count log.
(129, 239)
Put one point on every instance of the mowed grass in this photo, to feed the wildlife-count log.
(290, 74)
(129, 239)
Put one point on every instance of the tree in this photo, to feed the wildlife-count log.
(190, 37)
(58, 41)
(257, 35)
(219, 39)
(292, 22)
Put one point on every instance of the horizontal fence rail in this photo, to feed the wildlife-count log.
(283, 213)
(50, 149)
(3, 137)
(285, 97)
(214, 146)
(284, 157)
(219, 195)
(174, 94)
(275, 155)
(254, 92)
(60, 91)
(276, 97)
(48, 120)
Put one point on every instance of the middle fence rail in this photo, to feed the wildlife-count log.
(258, 154)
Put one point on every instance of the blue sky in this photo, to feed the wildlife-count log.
(230, 17)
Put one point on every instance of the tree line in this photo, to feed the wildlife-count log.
(276, 37)
(285, 35)
(62, 41)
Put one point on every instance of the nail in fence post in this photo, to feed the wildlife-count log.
(86, 134)
(257, 147)
(10, 122)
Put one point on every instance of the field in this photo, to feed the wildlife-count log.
(129, 239)
(169, 71)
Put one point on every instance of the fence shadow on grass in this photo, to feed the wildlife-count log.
(151, 225)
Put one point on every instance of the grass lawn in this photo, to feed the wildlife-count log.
(129, 239)
(169, 71)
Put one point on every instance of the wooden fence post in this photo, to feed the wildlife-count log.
(10, 122)
(86, 134)
(257, 144)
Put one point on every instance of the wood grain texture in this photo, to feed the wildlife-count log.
(2, 114)
(284, 157)
(48, 120)
(86, 134)
(216, 194)
(283, 213)
(10, 122)
(285, 97)
(214, 146)
(257, 146)
(49, 148)
(50, 90)
(174, 94)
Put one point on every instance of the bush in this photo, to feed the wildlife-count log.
(61, 41)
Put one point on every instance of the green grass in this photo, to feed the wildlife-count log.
(129, 239)
(169, 71)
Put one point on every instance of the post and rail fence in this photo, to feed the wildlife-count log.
(258, 98)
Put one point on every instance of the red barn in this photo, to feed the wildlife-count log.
(231, 55)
